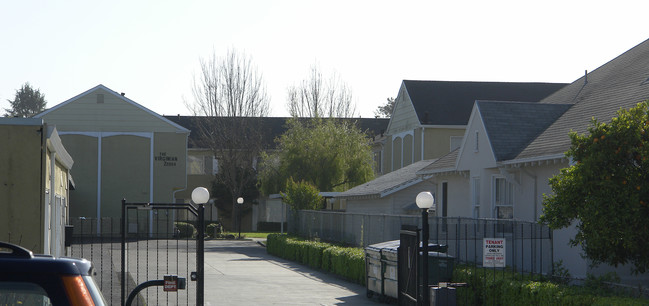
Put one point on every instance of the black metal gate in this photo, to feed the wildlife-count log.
(159, 239)
(407, 257)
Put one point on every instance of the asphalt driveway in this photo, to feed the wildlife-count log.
(242, 273)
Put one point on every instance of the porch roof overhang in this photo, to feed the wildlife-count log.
(534, 161)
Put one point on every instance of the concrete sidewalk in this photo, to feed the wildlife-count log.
(242, 273)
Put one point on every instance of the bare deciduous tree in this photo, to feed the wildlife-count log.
(318, 97)
(228, 94)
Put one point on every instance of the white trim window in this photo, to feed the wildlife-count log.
(503, 198)
(456, 142)
(475, 196)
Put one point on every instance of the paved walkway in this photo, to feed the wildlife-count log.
(242, 273)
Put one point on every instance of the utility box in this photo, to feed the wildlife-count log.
(445, 296)
(440, 267)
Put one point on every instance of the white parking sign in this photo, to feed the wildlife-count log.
(494, 252)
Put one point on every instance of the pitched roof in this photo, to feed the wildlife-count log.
(388, 183)
(621, 83)
(443, 164)
(511, 126)
(450, 103)
(119, 96)
(274, 127)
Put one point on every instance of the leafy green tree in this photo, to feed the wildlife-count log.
(385, 111)
(26, 103)
(331, 154)
(301, 195)
(607, 190)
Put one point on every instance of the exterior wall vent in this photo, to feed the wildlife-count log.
(100, 98)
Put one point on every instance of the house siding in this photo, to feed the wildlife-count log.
(404, 116)
(123, 151)
(437, 141)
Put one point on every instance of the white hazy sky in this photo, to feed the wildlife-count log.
(151, 49)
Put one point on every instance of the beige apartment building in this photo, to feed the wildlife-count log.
(122, 151)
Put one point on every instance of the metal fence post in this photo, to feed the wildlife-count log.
(123, 232)
(200, 256)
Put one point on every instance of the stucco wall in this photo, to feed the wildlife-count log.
(21, 186)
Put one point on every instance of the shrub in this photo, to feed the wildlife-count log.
(184, 230)
(493, 287)
(301, 195)
(343, 261)
(214, 230)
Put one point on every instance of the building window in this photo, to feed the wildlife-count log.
(377, 162)
(201, 165)
(475, 195)
(215, 164)
(456, 142)
(503, 198)
(444, 199)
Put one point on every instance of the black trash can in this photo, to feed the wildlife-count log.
(440, 267)
(69, 229)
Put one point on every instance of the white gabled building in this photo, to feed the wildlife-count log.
(510, 150)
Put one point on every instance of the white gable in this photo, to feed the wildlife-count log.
(404, 117)
(101, 109)
(476, 151)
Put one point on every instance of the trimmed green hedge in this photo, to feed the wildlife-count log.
(185, 230)
(485, 288)
(344, 261)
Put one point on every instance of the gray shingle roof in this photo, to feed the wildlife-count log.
(450, 103)
(511, 126)
(620, 83)
(273, 127)
(444, 163)
(389, 182)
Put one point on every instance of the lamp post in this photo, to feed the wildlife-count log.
(425, 201)
(240, 202)
(200, 196)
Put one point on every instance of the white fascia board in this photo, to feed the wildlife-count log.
(533, 159)
(474, 111)
(440, 126)
(436, 171)
(360, 197)
(108, 134)
(400, 187)
(54, 144)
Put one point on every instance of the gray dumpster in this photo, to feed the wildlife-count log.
(381, 266)
(376, 266)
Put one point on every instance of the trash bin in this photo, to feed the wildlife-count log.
(67, 239)
(373, 270)
(381, 266)
(440, 267)
(389, 259)
(376, 266)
